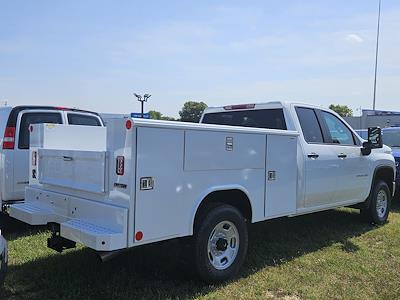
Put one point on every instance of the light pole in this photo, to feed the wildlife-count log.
(142, 100)
(376, 53)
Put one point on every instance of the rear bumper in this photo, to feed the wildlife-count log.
(97, 225)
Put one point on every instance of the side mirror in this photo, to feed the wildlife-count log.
(374, 140)
(375, 137)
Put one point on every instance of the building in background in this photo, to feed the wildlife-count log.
(371, 118)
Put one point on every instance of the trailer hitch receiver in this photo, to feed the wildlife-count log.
(57, 242)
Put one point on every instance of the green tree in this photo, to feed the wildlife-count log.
(192, 111)
(156, 115)
(342, 110)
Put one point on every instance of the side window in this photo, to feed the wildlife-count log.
(78, 119)
(34, 118)
(338, 131)
(260, 118)
(309, 125)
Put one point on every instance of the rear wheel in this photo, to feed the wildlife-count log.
(220, 243)
(378, 210)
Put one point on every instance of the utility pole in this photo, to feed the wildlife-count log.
(376, 54)
(142, 100)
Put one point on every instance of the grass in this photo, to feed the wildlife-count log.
(325, 255)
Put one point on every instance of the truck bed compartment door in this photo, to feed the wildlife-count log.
(82, 170)
(281, 176)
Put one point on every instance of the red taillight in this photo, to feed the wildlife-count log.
(120, 169)
(9, 138)
(239, 106)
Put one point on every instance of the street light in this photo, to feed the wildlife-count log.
(142, 100)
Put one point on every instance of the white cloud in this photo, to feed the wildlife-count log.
(354, 38)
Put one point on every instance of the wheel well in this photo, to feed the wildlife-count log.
(387, 175)
(236, 198)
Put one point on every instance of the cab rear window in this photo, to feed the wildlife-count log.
(262, 118)
(78, 119)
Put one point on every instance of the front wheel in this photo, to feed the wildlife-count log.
(220, 243)
(379, 206)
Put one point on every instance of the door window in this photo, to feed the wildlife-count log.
(309, 125)
(78, 119)
(338, 131)
(29, 118)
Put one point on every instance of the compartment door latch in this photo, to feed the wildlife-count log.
(271, 175)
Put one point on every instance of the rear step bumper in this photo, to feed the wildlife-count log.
(99, 226)
(31, 213)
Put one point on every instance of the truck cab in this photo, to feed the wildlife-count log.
(14, 142)
(331, 166)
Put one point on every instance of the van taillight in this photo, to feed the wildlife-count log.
(9, 138)
(120, 169)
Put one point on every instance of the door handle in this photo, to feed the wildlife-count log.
(313, 155)
(67, 158)
(342, 156)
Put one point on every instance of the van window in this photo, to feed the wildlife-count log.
(309, 125)
(78, 119)
(261, 118)
(34, 118)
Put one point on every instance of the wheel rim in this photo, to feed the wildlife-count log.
(381, 203)
(223, 245)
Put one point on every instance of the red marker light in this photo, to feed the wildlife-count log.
(128, 124)
(239, 106)
(139, 235)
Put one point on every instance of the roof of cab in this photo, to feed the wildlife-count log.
(261, 105)
(12, 119)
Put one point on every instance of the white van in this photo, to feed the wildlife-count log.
(14, 143)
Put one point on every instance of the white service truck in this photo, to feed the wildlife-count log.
(141, 181)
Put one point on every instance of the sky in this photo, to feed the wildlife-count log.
(95, 54)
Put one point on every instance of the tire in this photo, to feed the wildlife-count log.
(220, 243)
(3, 270)
(378, 210)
